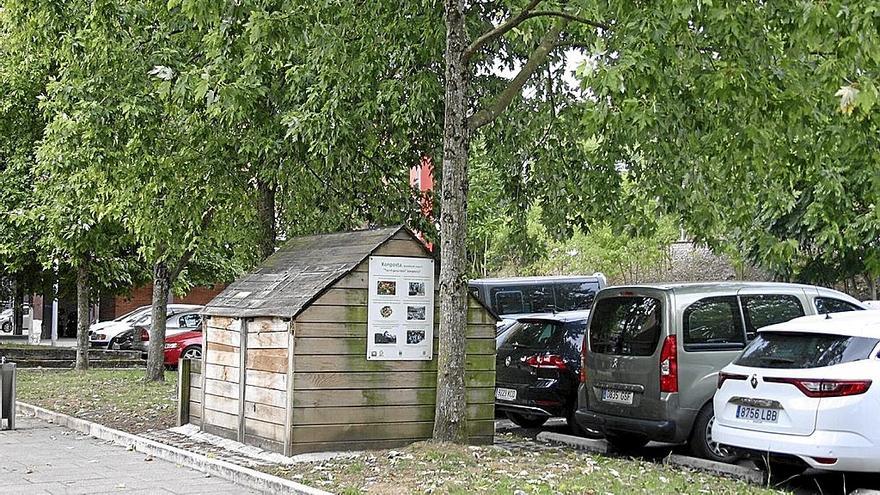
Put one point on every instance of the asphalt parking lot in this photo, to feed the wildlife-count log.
(811, 482)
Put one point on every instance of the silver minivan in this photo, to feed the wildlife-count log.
(653, 353)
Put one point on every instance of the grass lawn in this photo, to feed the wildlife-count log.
(116, 398)
(447, 469)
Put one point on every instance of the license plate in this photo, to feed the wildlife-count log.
(757, 414)
(617, 396)
(505, 394)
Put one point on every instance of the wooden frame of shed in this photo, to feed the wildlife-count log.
(285, 365)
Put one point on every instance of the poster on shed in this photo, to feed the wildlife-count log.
(400, 319)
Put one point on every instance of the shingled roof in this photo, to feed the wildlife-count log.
(298, 273)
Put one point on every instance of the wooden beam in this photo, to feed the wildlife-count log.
(242, 355)
(183, 391)
(288, 422)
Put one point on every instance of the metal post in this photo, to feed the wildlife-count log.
(7, 393)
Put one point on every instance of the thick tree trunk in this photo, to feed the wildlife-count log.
(450, 423)
(266, 210)
(82, 317)
(156, 348)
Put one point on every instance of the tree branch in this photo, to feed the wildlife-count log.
(536, 59)
(570, 17)
(500, 30)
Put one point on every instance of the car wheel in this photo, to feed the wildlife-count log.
(192, 352)
(701, 443)
(113, 344)
(7, 327)
(625, 443)
(526, 420)
(576, 429)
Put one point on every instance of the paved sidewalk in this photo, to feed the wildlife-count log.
(42, 458)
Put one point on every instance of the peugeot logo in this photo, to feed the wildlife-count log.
(754, 381)
(507, 362)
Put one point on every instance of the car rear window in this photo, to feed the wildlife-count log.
(625, 326)
(545, 334)
(804, 350)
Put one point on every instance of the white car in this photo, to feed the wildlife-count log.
(6, 320)
(103, 334)
(807, 389)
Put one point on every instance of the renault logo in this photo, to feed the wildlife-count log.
(754, 381)
(507, 362)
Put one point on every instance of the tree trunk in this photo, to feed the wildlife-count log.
(82, 317)
(49, 296)
(266, 211)
(156, 348)
(450, 423)
(872, 286)
(17, 307)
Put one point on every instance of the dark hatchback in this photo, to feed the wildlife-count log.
(537, 369)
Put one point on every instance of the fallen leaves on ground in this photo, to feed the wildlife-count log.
(452, 469)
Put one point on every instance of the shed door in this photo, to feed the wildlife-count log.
(222, 365)
(265, 406)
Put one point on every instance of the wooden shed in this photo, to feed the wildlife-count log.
(331, 345)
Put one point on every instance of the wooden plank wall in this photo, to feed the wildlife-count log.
(265, 407)
(341, 401)
(221, 376)
(189, 392)
(195, 392)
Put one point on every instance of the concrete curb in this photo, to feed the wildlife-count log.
(730, 470)
(580, 443)
(239, 475)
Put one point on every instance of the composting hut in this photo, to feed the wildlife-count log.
(331, 344)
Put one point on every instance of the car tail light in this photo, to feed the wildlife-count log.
(145, 335)
(825, 388)
(583, 373)
(669, 366)
(723, 377)
(546, 361)
(825, 460)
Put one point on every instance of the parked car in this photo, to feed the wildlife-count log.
(654, 352)
(138, 338)
(108, 335)
(6, 320)
(806, 390)
(128, 318)
(537, 368)
(871, 304)
(186, 344)
(523, 295)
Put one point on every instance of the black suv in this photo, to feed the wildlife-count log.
(537, 369)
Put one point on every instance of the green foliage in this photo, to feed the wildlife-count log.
(727, 114)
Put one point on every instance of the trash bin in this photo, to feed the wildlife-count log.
(7, 394)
